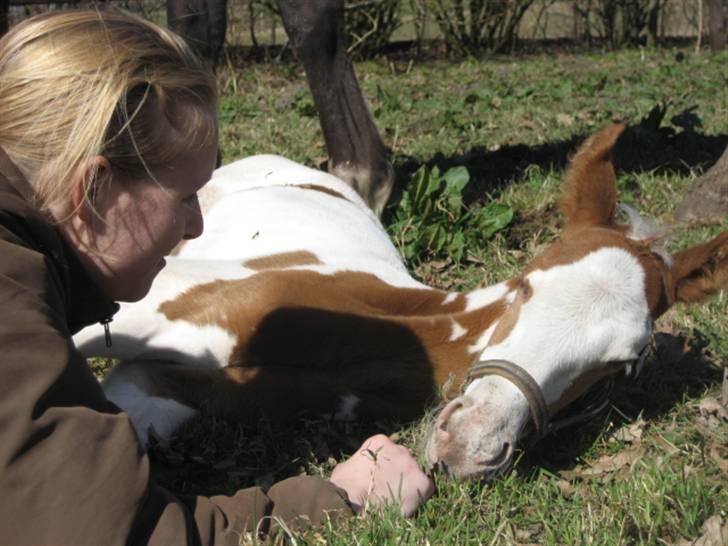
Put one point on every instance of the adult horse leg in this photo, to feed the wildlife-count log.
(357, 154)
(4, 8)
(316, 31)
(202, 23)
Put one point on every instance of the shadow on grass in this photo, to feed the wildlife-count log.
(677, 370)
(646, 146)
(212, 456)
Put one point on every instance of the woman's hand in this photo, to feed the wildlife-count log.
(382, 472)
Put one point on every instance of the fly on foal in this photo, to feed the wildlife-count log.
(295, 300)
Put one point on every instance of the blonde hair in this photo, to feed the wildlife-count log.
(81, 83)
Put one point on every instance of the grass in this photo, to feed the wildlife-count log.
(650, 470)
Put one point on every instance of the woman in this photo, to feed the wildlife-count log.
(108, 131)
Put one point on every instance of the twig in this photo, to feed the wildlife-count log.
(700, 27)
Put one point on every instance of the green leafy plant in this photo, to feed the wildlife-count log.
(431, 220)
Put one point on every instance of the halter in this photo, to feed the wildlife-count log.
(525, 383)
(540, 414)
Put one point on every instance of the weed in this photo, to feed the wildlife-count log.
(430, 221)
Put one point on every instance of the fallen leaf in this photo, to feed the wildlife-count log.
(570, 475)
(439, 265)
(565, 120)
(608, 464)
(712, 406)
(632, 432)
(712, 412)
(716, 453)
(715, 533)
(527, 534)
(668, 446)
(527, 124)
(565, 488)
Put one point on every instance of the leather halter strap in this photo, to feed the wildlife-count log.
(540, 415)
(525, 383)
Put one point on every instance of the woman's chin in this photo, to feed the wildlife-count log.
(139, 289)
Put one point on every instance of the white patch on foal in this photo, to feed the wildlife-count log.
(485, 296)
(206, 346)
(457, 330)
(267, 202)
(451, 297)
(482, 342)
(126, 386)
(577, 317)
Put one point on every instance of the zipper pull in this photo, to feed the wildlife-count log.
(107, 330)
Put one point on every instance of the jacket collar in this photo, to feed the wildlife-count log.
(85, 304)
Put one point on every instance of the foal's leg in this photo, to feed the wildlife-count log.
(132, 387)
(357, 153)
(162, 395)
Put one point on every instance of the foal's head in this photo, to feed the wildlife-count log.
(579, 311)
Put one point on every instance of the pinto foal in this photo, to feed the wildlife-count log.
(295, 300)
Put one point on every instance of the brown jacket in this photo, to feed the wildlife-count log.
(71, 469)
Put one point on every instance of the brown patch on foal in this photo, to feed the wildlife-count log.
(283, 260)
(314, 338)
(701, 270)
(322, 189)
(511, 314)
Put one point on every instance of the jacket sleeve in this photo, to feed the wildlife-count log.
(72, 469)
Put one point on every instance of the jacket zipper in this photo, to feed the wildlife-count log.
(107, 329)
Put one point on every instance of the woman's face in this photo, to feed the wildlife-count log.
(143, 220)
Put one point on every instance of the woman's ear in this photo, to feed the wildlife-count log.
(92, 178)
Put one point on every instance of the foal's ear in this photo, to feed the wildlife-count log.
(701, 270)
(590, 191)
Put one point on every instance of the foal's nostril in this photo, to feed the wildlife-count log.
(501, 458)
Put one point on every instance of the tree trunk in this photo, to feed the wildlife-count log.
(4, 7)
(707, 199)
(717, 23)
(653, 18)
